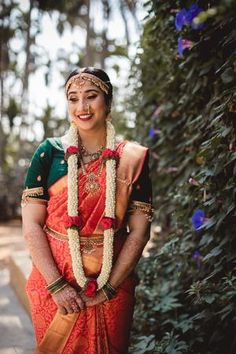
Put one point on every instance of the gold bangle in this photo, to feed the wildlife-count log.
(62, 287)
(109, 293)
(104, 292)
(111, 288)
(54, 282)
(56, 285)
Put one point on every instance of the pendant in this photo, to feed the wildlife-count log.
(88, 247)
(92, 186)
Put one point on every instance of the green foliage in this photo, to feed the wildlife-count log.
(190, 101)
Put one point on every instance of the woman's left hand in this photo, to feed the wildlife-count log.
(99, 298)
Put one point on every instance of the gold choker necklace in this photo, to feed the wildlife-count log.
(92, 155)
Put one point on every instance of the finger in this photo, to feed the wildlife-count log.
(62, 310)
(69, 309)
(75, 307)
(79, 302)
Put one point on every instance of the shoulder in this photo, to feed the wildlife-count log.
(135, 150)
(50, 143)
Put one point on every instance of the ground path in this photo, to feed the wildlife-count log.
(16, 332)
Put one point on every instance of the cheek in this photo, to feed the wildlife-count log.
(71, 109)
(101, 106)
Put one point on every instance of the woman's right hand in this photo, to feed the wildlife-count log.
(68, 300)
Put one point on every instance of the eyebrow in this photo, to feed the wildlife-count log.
(86, 91)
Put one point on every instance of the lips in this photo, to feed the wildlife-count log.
(84, 117)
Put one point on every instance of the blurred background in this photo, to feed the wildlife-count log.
(41, 42)
(173, 66)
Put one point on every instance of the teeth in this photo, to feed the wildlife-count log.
(85, 116)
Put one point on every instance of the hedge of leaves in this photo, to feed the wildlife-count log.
(185, 101)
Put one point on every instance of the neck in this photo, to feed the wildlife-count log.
(93, 140)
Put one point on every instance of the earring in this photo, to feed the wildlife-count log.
(109, 117)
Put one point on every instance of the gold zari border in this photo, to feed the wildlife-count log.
(144, 208)
(97, 240)
(29, 194)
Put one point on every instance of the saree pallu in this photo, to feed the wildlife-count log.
(103, 328)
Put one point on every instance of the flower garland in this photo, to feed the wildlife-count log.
(74, 221)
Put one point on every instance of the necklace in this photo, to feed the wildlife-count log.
(92, 185)
(92, 155)
(72, 208)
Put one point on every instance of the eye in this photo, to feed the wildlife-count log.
(90, 97)
(73, 99)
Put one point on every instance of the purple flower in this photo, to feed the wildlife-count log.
(198, 219)
(181, 19)
(183, 44)
(193, 12)
(186, 17)
(152, 133)
(196, 255)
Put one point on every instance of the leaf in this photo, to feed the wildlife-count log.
(214, 253)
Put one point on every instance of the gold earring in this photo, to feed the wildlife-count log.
(109, 117)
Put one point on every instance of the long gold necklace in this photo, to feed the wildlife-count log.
(92, 185)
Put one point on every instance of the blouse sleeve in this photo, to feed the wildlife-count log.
(35, 186)
(141, 196)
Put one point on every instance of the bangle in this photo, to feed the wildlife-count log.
(104, 292)
(57, 285)
(111, 288)
(63, 286)
(109, 291)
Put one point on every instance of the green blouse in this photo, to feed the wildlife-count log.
(46, 167)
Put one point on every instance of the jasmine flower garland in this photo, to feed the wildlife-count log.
(72, 207)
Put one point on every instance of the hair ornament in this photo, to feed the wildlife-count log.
(80, 79)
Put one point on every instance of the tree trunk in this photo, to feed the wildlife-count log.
(25, 79)
(88, 58)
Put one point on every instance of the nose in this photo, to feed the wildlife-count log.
(82, 106)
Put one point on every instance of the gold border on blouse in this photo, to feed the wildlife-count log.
(142, 207)
(29, 194)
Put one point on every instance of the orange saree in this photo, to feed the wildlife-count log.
(100, 329)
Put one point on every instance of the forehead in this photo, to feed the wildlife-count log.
(82, 86)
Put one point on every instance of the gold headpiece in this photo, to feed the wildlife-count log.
(80, 79)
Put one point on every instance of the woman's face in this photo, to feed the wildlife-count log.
(86, 106)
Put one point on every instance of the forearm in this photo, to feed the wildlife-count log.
(40, 252)
(128, 257)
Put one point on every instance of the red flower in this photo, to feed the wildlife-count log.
(108, 222)
(110, 154)
(71, 150)
(70, 221)
(91, 287)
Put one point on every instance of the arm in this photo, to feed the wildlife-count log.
(33, 216)
(132, 250)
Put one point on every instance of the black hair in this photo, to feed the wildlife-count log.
(102, 75)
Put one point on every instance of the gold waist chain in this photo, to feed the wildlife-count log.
(88, 243)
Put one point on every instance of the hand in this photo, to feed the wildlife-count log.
(95, 300)
(68, 300)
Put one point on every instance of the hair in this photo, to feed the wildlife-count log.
(102, 75)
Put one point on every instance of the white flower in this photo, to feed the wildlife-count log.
(73, 197)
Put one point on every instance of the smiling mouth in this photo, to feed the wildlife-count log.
(84, 117)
